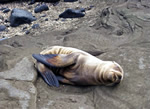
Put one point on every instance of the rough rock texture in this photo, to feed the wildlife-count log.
(2, 28)
(16, 87)
(41, 8)
(24, 70)
(17, 95)
(19, 16)
(119, 28)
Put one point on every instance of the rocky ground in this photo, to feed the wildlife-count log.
(119, 28)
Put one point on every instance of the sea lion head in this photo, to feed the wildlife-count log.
(111, 73)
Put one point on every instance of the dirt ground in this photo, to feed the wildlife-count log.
(119, 28)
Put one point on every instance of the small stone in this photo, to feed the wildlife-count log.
(24, 28)
(6, 20)
(1, 17)
(31, 2)
(7, 25)
(89, 8)
(27, 32)
(72, 13)
(46, 19)
(6, 10)
(41, 8)
(2, 28)
(44, 15)
(35, 26)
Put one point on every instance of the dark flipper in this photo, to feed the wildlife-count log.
(95, 53)
(64, 80)
(56, 60)
(44, 59)
(47, 75)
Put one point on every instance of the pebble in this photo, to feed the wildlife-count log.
(24, 28)
(46, 19)
(44, 15)
(35, 26)
(27, 32)
(41, 8)
(32, 2)
(2, 28)
(73, 13)
(1, 17)
(6, 10)
(6, 20)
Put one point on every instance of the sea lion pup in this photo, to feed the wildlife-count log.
(73, 66)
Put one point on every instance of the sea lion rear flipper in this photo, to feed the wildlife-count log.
(64, 80)
(56, 60)
(47, 75)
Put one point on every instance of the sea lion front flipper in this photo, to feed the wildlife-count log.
(47, 75)
(56, 60)
(95, 53)
(64, 80)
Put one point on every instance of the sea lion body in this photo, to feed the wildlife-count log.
(84, 69)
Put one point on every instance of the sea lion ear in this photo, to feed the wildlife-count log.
(56, 60)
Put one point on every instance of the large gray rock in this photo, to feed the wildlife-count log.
(17, 95)
(23, 70)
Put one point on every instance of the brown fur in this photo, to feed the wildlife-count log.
(87, 70)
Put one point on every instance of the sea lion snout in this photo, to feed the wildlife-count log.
(117, 73)
(113, 77)
(112, 73)
(117, 78)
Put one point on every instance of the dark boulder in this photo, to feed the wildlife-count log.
(19, 16)
(73, 13)
(41, 8)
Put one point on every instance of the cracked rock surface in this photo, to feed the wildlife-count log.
(118, 28)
